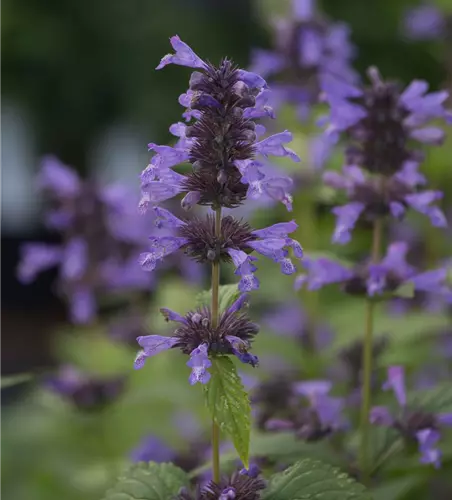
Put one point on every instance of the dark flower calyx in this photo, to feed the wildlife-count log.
(414, 421)
(381, 138)
(204, 245)
(197, 329)
(239, 487)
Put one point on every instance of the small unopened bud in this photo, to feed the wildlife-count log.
(374, 76)
(211, 255)
(190, 199)
(196, 318)
(205, 322)
(222, 177)
(246, 102)
(196, 81)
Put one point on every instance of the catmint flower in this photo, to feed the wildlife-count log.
(321, 418)
(240, 486)
(310, 51)
(414, 424)
(196, 337)
(382, 123)
(220, 144)
(197, 238)
(425, 22)
(85, 392)
(100, 240)
(375, 280)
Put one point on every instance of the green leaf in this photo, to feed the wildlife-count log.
(229, 405)
(396, 489)
(311, 479)
(228, 294)
(148, 481)
(406, 291)
(11, 380)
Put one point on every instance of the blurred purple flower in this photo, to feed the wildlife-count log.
(375, 279)
(414, 425)
(425, 22)
(84, 391)
(152, 449)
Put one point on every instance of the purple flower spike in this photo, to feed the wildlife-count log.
(199, 362)
(184, 56)
(58, 178)
(396, 382)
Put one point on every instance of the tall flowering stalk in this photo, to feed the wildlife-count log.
(309, 51)
(381, 125)
(221, 143)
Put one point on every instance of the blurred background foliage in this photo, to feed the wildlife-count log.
(74, 69)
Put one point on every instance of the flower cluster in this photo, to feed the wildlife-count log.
(414, 425)
(242, 485)
(85, 392)
(101, 239)
(375, 280)
(382, 125)
(321, 418)
(310, 53)
(197, 337)
(221, 144)
(235, 243)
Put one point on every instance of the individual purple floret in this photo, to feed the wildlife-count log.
(85, 392)
(425, 22)
(321, 418)
(414, 424)
(237, 240)
(101, 240)
(221, 143)
(199, 339)
(375, 280)
(310, 53)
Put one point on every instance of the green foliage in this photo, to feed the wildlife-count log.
(311, 479)
(405, 291)
(12, 380)
(227, 296)
(148, 481)
(229, 404)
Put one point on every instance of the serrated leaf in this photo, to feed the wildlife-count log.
(227, 295)
(11, 380)
(229, 405)
(405, 291)
(311, 479)
(148, 481)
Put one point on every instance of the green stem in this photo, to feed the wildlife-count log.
(367, 361)
(215, 317)
(307, 219)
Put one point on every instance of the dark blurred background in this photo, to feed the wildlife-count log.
(79, 82)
